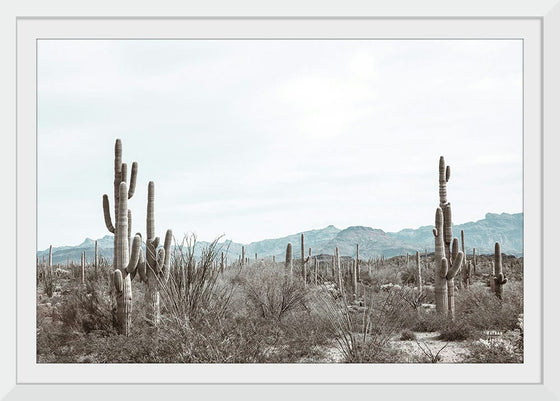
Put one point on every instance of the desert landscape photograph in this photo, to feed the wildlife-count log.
(280, 201)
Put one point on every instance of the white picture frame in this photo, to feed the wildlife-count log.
(25, 24)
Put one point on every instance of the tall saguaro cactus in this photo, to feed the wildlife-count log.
(155, 270)
(120, 176)
(289, 267)
(304, 260)
(499, 277)
(448, 261)
(126, 263)
(358, 262)
(418, 272)
(338, 270)
(125, 256)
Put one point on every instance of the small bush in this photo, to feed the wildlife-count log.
(407, 335)
(429, 323)
(455, 331)
(272, 293)
(495, 350)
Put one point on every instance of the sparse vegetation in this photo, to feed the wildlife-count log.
(203, 309)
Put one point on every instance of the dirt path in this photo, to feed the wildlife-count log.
(426, 346)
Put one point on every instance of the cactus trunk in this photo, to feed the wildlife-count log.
(499, 277)
(289, 267)
(418, 272)
(338, 270)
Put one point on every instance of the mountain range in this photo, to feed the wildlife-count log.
(505, 228)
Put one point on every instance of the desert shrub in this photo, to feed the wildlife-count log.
(407, 335)
(87, 308)
(384, 275)
(48, 280)
(494, 350)
(272, 293)
(455, 331)
(408, 276)
(195, 288)
(367, 328)
(478, 307)
(429, 323)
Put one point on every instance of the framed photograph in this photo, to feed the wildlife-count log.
(353, 199)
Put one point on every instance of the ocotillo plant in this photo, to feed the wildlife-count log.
(289, 267)
(474, 261)
(120, 172)
(155, 269)
(83, 269)
(96, 259)
(499, 277)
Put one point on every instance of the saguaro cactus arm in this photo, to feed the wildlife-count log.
(457, 262)
(134, 254)
(133, 174)
(107, 214)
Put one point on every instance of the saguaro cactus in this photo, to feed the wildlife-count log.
(357, 262)
(126, 263)
(445, 275)
(418, 272)
(354, 268)
(338, 270)
(289, 267)
(304, 260)
(125, 257)
(120, 176)
(499, 277)
(156, 267)
(440, 287)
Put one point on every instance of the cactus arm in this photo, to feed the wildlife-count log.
(167, 261)
(457, 262)
(107, 215)
(443, 269)
(134, 254)
(132, 185)
(150, 219)
(438, 234)
(118, 280)
(447, 173)
(454, 249)
(124, 172)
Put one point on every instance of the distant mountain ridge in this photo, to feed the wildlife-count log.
(505, 228)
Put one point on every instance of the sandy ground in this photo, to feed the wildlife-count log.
(452, 353)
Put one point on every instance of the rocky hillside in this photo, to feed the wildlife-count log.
(482, 234)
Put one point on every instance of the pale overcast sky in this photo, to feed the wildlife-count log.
(258, 139)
